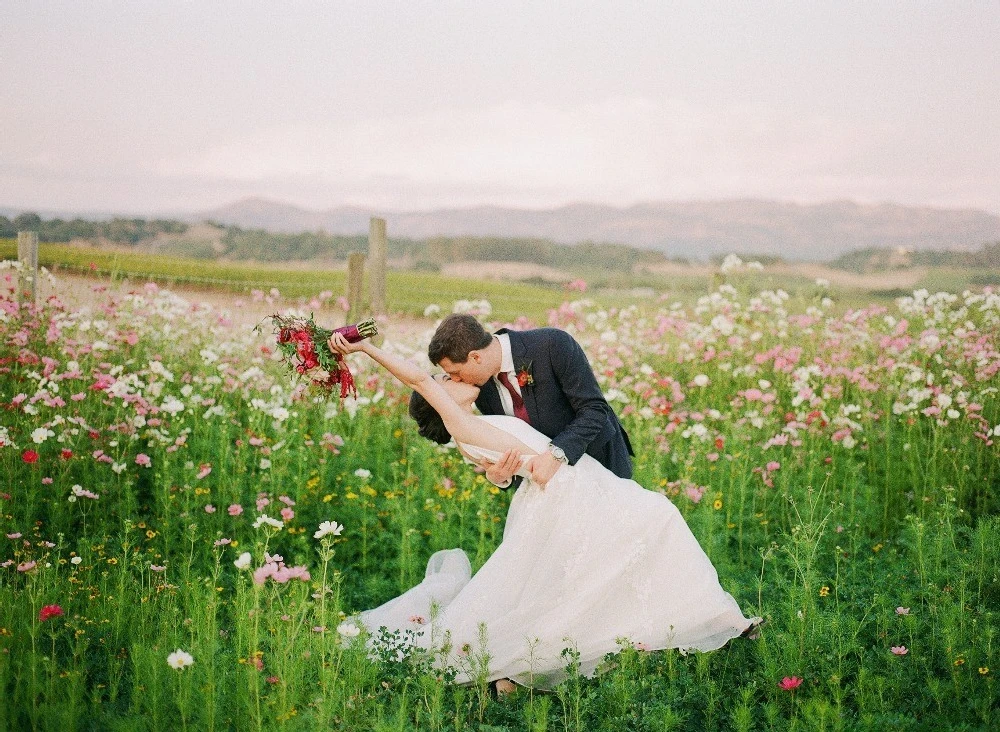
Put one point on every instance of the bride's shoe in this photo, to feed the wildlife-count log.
(753, 632)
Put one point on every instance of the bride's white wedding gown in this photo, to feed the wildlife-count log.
(586, 562)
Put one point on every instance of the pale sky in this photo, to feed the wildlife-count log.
(160, 107)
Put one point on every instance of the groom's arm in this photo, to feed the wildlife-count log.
(577, 381)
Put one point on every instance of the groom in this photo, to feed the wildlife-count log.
(541, 376)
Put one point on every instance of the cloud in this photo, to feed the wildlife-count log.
(619, 150)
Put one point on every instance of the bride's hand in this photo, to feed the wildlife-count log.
(503, 469)
(339, 344)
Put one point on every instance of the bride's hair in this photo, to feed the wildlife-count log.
(429, 422)
(458, 334)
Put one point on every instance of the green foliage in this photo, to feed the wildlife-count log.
(849, 549)
(117, 230)
(878, 260)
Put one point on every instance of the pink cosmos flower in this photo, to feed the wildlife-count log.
(899, 650)
(902, 611)
(694, 493)
(204, 469)
(15, 535)
(773, 465)
(143, 459)
(790, 682)
(235, 509)
(287, 514)
(26, 566)
(47, 481)
(209, 508)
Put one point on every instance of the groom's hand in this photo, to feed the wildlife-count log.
(500, 472)
(543, 467)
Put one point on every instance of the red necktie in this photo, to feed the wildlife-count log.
(520, 411)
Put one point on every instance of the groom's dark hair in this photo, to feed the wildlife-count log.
(457, 335)
(429, 422)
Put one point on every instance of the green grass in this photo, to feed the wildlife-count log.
(406, 291)
(827, 545)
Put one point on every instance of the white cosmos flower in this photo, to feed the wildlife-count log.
(348, 629)
(243, 561)
(265, 519)
(41, 434)
(362, 473)
(328, 528)
(179, 659)
(172, 405)
(701, 380)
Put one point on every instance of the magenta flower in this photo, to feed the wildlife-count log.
(26, 566)
(209, 508)
(773, 465)
(790, 683)
(49, 611)
(143, 459)
(204, 469)
(899, 650)
(902, 611)
(235, 509)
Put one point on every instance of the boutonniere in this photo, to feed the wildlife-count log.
(524, 377)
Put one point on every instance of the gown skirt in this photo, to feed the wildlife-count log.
(590, 563)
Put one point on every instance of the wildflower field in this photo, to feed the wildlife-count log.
(184, 531)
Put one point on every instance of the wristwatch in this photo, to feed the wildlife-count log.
(559, 454)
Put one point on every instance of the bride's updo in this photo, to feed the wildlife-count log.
(429, 422)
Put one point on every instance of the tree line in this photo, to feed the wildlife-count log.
(237, 243)
(118, 230)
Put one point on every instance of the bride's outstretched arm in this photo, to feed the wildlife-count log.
(462, 425)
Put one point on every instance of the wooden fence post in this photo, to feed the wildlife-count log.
(377, 246)
(355, 281)
(27, 255)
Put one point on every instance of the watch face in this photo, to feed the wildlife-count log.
(557, 452)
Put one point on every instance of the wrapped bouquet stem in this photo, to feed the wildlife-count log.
(303, 346)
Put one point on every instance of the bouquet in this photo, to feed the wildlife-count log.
(303, 346)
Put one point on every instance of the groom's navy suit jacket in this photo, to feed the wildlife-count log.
(563, 401)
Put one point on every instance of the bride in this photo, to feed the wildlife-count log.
(588, 561)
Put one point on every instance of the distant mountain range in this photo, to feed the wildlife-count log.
(695, 230)
(816, 232)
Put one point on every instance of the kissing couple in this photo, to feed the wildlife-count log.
(589, 557)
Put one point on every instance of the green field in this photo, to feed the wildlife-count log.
(839, 466)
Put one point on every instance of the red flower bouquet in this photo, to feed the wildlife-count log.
(303, 346)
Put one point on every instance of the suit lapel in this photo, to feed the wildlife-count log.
(521, 357)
